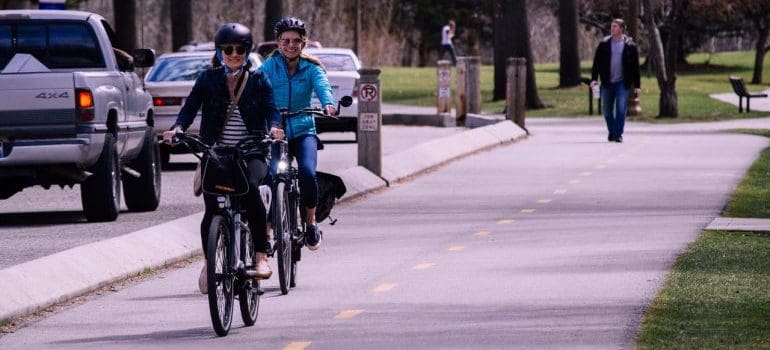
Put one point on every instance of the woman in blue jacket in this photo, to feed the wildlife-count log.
(214, 90)
(294, 76)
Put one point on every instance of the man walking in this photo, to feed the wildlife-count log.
(616, 63)
(447, 33)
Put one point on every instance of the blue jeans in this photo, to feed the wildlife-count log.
(305, 150)
(615, 95)
(448, 49)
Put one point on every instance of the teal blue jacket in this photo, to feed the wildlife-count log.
(295, 92)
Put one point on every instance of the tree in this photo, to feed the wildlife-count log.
(519, 28)
(664, 59)
(181, 23)
(569, 56)
(273, 13)
(125, 23)
(758, 13)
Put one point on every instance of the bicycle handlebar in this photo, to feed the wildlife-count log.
(345, 101)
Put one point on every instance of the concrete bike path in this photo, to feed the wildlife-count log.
(34, 285)
(558, 242)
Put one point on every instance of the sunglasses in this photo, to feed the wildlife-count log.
(228, 50)
(295, 41)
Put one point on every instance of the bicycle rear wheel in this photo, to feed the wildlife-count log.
(220, 278)
(248, 293)
(282, 232)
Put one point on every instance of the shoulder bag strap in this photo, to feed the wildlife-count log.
(234, 102)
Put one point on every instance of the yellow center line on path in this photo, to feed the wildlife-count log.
(585, 173)
(297, 345)
(574, 181)
(385, 287)
(456, 248)
(559, 191)
(481, 233)
(423, 266)
(528, 211)
(504, 221)
(600, 166)
(544, 201)
(347, 314)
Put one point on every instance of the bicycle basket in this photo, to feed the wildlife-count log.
(224, 173)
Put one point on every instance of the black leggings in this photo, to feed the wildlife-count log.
(255, 209)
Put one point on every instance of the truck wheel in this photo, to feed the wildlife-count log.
(143, 193)
(100, 193)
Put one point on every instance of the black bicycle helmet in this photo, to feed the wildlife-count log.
(290, 23)
(233, 33)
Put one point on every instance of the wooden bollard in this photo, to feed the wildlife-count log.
(516, 90)
(468, 87)
(444, 87)
(370, 120)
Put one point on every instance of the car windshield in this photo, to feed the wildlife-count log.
(181, 68)
(336, 62)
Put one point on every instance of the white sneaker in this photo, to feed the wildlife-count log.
(203, 280)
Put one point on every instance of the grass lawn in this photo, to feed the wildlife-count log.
(417, 86)
(717, 295)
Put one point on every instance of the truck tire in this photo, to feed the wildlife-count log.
(100, 193)
(143, 193)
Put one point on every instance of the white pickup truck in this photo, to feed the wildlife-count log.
(72, 111)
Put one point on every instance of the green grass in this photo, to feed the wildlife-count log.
(417, 86)
(752, 197)
(717, 295)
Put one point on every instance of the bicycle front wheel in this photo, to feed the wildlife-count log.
(282, 233)
(220, 277)
(248, 294)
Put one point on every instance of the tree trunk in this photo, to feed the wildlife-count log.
(273, 13)
(759, 55)
(181, 23)
(668, 101)
(665, 62)
(501, 11)
(569, 58)
(125, 23)
(522, 48)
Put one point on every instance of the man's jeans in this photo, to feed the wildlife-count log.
(615, 95)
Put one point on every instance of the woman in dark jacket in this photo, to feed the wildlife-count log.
(255, 112)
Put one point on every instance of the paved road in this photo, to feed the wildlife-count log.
(560, 241)
(37, 222)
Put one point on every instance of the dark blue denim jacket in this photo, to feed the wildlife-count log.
(256, 104)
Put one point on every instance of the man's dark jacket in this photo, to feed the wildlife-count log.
(630, 59)
(256, 104)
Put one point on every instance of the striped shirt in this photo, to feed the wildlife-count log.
(234, 131)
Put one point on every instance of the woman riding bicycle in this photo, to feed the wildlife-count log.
(215, 89)
(294, 76)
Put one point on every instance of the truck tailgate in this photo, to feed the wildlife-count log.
(37, 104)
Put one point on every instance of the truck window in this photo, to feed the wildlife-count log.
(55, 44)
(5, 45)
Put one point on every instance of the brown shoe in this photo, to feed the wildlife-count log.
(263, 268)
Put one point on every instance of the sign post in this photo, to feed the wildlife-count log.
(444, 93)
(516, 90)
(370, 120)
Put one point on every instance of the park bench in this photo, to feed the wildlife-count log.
(740, 89)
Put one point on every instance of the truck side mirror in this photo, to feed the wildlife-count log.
(144, 57)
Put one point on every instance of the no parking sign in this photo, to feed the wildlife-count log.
(368, 92)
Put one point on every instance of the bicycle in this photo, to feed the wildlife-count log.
(231, 257)
(287, 213)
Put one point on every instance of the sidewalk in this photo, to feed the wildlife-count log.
(757, 104)
(37, 284)
(739, 224)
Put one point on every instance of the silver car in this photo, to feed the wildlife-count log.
(170, 81)
(342, 67)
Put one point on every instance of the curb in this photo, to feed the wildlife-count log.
(38, 284)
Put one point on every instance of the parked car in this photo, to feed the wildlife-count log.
(170, 81)
(342, 67)
(266, 48)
